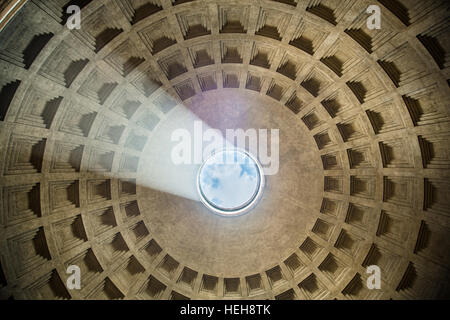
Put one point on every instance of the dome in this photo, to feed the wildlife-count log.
(361, 179)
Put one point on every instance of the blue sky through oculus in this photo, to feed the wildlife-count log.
(229, 179)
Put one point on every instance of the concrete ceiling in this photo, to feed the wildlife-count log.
(364, 148)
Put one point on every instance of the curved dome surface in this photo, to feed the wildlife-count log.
(363, 120)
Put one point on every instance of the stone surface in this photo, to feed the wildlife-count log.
(364, 160)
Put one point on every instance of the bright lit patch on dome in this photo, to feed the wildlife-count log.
(230, 182)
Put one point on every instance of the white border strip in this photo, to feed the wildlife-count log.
(11, 12)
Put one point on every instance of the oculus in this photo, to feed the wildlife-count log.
(230, 182)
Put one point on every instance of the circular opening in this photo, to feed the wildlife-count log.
(230, 182)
